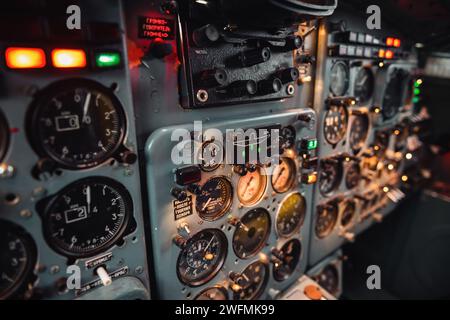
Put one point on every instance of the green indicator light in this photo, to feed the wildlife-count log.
(107, 59)
(416, 91)
(312, 144)
(416, 99)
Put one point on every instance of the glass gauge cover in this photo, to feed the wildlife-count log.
(364, 85)
(289, 256)
(339, 80)
(251, 233)
(392, 99)
(283, 175)
(358, 132)
(77, 123)
(252, 186)
(202, 257)
(252, 281)
(4, 136)
(291, 214)
(335, 124)
(87, 217)
(329, 279)
(353, 175)
(326, 219)
(330, 175)
(211, 156)
(348, 213)
(215, 198)
(213, 293)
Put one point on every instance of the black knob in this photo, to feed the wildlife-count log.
(253, 57)
(194, 188)
(129, 157)
(305, 117)
(288, 75)
(251, 167)
(178, 194)
(206, 35)
(339, 26)
(242, 88)
(293, 43)
(306, 59)
(213, 78)
(269, 86)
(240, 170)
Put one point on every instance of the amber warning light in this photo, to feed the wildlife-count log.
(152, 28)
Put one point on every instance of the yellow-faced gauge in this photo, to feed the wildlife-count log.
(251, 187)
(283, 176)
(291, 214)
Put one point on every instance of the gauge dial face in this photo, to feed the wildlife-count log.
(392, 99)
(211, 156)
(291, 215)
(251, 187)
(326, 220)
(4, 136)
(215, 198)
(202, 257)
(329, 279)
(353, 175)
(251, 233)
(335, 124)
(289, 257)
(382, 141)
(17, 259)
(213, 293)
(358, 132)
(252, 281)
(330, 175)
(339, 79)
(283, 176)
(364, 85)
(288, 135)
(78, 124)
(87, 216)
(348, 213)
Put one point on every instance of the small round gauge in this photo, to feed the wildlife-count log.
(348, 213)
(364, 85)
(251, 187)
(77, 123)
(202, 257)
(215, 198)
(87, 217)
(392, 99)
(288, 136)
(251, 233)
(213, 293)
(283, 176)
(335, 124)
(291, 214)
(252, 281)
(339, 80)
(326, 220)
(330, 175)
(382, 141)
(329, 279)
(353, 175)
(358, 132)
(288, 257)
(4, 136)
(211, 156)
(17, 259)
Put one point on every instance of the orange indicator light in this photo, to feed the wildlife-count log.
(397, 43)
(390, 41)
(25, 58)
(68, 58)
(389, 54)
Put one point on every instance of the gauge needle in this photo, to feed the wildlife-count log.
(206, 204)
(209, 243)
(279, 176)
(88, 198)
(248, 184)
(86, 105)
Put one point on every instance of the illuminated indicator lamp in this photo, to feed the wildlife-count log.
(68, 58)
(397, 43)
(381, 64)
(107, 59)
(417, 91)
(312, 144)
(376, 110)
(25, 58)
(381, 53)
(385, 189)
(390, 41)
(390, 166)
(389, 54)
(416, 99)
(309, 178)
(404, 178)
(408, 156)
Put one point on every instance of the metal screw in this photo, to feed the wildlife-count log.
(54, 269)
(202, 95)
(25, 213)
(139, 270)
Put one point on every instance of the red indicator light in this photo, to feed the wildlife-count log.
(389, 54)
(69, 58)
(390, 42)
(381, 53)
(25, 58)
(397, 43)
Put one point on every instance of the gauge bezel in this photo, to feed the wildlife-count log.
(300, 224)
(344, 132)
(261, 191)
(332, 227)
(218, 287)
(225, 208)
(347, 77)
(362, 143)
(276, 276)
(343, 206)
(351, 165)
(41, 100)
(263, 286)
(202, 147)
(335, 269)
(338, 179)
(371, 75)
(5, 134)
(129, 207)
(292, 177)
(224, 253)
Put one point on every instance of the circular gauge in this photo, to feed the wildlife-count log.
(215, 198)
(213, 293)
(202, 257)
(326, 220)
(392, 99)
(251, 187)
(348, 213)
(329, 279)
(358, 132)
(288, 135)
(353, 175)
(330, 175)
(4, 136)
(339, 79)
(211, 156)
(364, 85)
(252, 281)
(77, 123)
(17, 259)
(251, 233)
(289, 256)
(283, 176)
(335, 124)
(382, 140)
(291, 214)
(87, 216)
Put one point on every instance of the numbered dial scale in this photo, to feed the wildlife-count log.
(340, 77)
(335, 124)
(87, 217)
(77, 123)
(215, 198)
(326, 219)
(202, 257)
(287, 260)
(330, 175)
(291, 214)
(358, 132)
(364, 85)
(252, 186)
(17, 259)
(252, 281)
(283, 176)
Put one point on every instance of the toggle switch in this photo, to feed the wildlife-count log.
(205, 36)
(178, 194)
(104, 276)
(184, 230)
